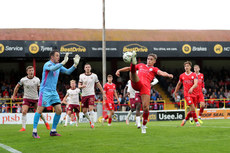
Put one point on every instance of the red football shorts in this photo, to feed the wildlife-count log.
(143, 88)
(200, 98)
(190, 100)
(87, 100)
(29, 102)
(110, 106)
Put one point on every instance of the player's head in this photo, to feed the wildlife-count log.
(55, 56)
(30, 71)
(187, 66)
(73, 84)
(151, 59)
(110, 78)
(87, 68)
(196, 68)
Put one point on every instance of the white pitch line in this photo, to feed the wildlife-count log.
(9, 148)
(221, 127)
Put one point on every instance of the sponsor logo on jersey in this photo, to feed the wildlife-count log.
(135, 47)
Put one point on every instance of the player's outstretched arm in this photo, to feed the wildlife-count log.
(64, 100)
(194, 86)
(124, 69)
(101, 89)
(164, 74)
(15, 92)
(177, 88)
(155, 81)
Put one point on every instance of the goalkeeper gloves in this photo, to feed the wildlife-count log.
(76, 60)
(66, 58)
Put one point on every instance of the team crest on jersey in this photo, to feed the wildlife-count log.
(183, 78)
(192, 77)
(201, 77)
(45, 102)
(49, 65)
(151, 69)
(33, 81)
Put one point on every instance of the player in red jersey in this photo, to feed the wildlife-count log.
(201, 89)
(110, 91)
(189, 81)
(142, 81)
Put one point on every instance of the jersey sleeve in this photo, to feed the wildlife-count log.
(155, 70)
(48, 66)
(38, 80)
(67, 93)
(20, 82)
(105, 88)
(80, 78)
(96, 79)
(129, 86)
(67, 71)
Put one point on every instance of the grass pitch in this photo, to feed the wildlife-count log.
(162, 137)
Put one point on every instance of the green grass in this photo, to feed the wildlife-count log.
(161, 137)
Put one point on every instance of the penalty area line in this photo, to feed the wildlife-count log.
(9, 148)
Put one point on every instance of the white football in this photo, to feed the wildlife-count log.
(127, 57)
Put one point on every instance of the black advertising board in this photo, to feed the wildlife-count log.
(92, 49)
(170, 115)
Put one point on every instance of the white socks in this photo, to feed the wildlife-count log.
(138, 121)
(130, 112)
(24, 118)
(66, 120)
(92, 116)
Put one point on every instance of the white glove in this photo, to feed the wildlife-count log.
(66, 58)
(76, 60)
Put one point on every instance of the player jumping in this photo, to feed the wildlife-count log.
(142, 81)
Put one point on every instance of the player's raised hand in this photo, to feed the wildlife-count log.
(66, 58)
(13, 98)
(170, 76)
(76, 60)
(117, 73)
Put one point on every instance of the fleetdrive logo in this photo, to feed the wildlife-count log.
(34, 48)
(186, 48)
(218, 49)
(135, 47)
(2, 48)
(72, 47)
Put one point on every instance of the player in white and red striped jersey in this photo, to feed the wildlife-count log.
(31, 86)
(110, 92)
(189, 81)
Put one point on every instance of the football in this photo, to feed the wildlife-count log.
(127, 57)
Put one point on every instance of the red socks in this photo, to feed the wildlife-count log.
(132, 68)
(145, 117)
(194, 116)
(201, 111)
(106, 117)
(188, 115)
(110, 120)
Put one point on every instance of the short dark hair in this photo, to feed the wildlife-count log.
(188, 62)
(109, 76)
(196, 65)
(87, 64)
(153, 55)
(53, 52)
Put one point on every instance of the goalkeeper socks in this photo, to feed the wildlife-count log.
(188, 115)
(106, 117)
(36, 120)
(24, 121)
(132, 68)
(110, 120)
(201, 111)
(43, 118)
(145, 117)
(55, 121)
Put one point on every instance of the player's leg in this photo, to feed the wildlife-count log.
(85, 106)
(77, 118)
(111, 112)
(145, 100)
(57, 116)
(91, 114)
(138, 114)
(36, 120)
(42, 117)
(25, 109)
(202, 106)
(68, 116)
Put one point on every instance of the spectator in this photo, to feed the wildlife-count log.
(155, 106)
(4, 108)
(6, 93)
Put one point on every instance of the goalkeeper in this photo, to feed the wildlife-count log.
(48, 95)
